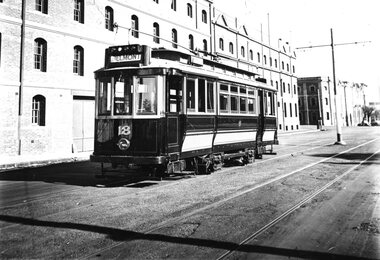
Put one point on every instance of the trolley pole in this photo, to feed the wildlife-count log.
(339, 140)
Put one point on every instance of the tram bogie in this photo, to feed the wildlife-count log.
(157, 109)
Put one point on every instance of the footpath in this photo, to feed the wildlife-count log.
(8, 163)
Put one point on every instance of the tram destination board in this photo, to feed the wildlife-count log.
(127, 55)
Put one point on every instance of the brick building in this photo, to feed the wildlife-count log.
(50, 48)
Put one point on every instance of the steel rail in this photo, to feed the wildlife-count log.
(216, 204)
(295, 207)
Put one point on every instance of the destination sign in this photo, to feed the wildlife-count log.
(126, 58)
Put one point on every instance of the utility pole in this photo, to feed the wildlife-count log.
(337, 114)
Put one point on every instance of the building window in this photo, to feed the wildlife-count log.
(270, 61)
(174, 5)
(258, 57)
(294, 69)
(265, 59)
(189, 10)
(282, 65)
(275, 63)
(231, 48)
(294, 89)
(205, 46)
(290, 110)
(251, 54)
(191, 42)
(79, 11)
(327, 101)
(283, 87)
(40, 54)
(285, 110)
(135, 26)
(289, 88)
(78, 61)
(242, 50)
(156, 1)
(41, 6)
(109, 18)
(204, 16)
(327, 116)
(174, 38)
(287, 67)
(295, 109)
(38, 110)
(277, 85)
(221, 44)
(156, 33)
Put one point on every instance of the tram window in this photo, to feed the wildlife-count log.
(224, 103)
(146, 96)
(243, 105)
(270, 104)
(210, 97)
(251, 106)
(190, 95)
(201, 95)
(123, 96)
(104, 107)
(234, 104)
(175, 94)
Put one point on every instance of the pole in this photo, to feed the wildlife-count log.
(337, 114)
(21, 75)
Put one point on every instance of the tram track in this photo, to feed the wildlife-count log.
(214, 205)
(293, 208)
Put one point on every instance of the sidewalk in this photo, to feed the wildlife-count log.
(8, 163)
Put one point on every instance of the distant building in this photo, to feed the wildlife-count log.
(317, 102)
(50, 49)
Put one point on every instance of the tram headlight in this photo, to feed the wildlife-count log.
(123, 144)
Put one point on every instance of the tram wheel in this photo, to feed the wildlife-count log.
(159, 171)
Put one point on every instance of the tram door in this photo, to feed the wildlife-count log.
(174, 109)
(261, 117)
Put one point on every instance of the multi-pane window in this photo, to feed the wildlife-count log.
(221, 44)
(40, 54)
(156, 33)
(270, 105)
(204, 16)
(79, 11)
(38, 110)
(191, 42)
(189, 10)
(78, 60)
(190, 95)
(174, 38)
(200, 95)
(135, 26)
(173, 5)
(109, 18)
(41, 6)
(237, 99)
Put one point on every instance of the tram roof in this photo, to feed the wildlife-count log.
(180, 63)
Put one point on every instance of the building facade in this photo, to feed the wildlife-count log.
(50, 49)
(317, 101)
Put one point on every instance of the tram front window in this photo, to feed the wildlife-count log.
(104, 97)
(123, 96)
(146, 96)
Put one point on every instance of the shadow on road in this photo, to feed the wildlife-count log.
(125, 235)
(352, 158)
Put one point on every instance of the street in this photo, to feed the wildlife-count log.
(312, 199)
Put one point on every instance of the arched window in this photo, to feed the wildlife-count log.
(156, 33)
(265, 59)
(204, 16)
(40, 54)
(189, 10)
(135, 26)
(282, 65)
(205, 46)
(275, 63)
(191, 42)
(174, 5)
(38, 110)
(242, 51)
(109, 18)
(78, 60)
(258, 57)
(270, 61)
(42, 6)
(79, 11)
(231, 48)
(174, 38)
(221, 44)
(251, 54)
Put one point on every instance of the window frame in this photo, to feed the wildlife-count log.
(109, 18)
(38, 110)
(40, 54)
(78, 61)
(79, 11)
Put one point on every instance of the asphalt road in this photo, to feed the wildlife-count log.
(313, 199)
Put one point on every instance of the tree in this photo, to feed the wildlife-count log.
(367, 111)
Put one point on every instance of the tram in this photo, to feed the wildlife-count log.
(170, 111)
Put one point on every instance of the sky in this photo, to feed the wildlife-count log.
(308, 23)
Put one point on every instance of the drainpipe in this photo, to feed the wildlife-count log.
(21, 78)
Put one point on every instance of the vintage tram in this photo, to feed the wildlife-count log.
(171, 110)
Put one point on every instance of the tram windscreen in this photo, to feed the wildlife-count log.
(123, 96)
(146, 96)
